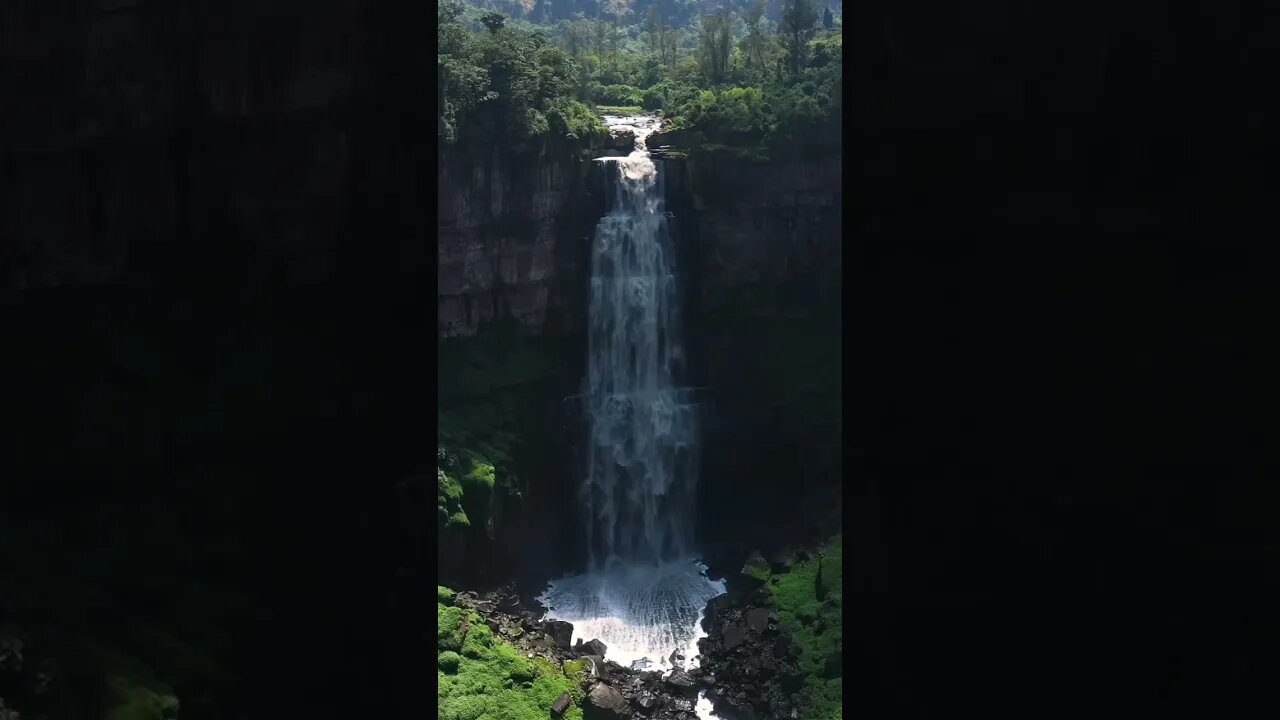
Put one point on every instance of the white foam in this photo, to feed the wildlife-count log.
(638, 612)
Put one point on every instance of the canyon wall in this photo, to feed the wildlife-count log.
(760, 258)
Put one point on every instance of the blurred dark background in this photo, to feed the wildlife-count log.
(213, 243)
(1062, 343)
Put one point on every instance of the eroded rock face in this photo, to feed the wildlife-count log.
(514, 232)
(511, 235)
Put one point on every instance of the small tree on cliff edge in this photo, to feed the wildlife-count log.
(828, 20)
(796, 29)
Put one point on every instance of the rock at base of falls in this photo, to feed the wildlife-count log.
(681, 683)
(594, 647)
(561, 704)
(605, 703)
(560, 631)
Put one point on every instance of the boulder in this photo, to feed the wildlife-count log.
(595, 667)
(681, 704)
(758, 619)
(560, 631)
(595, 647)
(605, 703)
(649, 702)
(676, 659)
(733, 636)
(621, 140)
(680, 683)
(561, 704)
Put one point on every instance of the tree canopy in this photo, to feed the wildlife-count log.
(762, 75)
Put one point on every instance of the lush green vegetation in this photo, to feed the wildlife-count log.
(811, 610)
(489, 384)
(764, 76)
(483, 676)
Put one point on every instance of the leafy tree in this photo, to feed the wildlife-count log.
(754, 41)
(494, 21)
(714, 42)
(653, 28)
(797, 29)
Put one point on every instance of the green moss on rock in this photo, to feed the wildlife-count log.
(133, 690)
(816, 624)
(450, 627)
(481, 475)
(132, 700)
(490, 680)
(575, 670)
(444, 595)
(478, 640)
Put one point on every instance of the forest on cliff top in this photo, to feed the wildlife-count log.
(758, 77)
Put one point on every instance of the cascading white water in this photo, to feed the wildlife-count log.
(643, 593)
(641, 454)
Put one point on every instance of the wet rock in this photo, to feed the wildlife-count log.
(676, 659)
(561, 704)
(595, 668)
(758, 619)
(605, 703)
(595, 647)
(560, 631)
(641, 664)
(680, 683)
(707, 680)
(680, 704)
(621, 140)
(715, 610)
(494, 626)
(733, 636)
(649, 702)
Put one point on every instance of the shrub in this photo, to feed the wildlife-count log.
(448, 661)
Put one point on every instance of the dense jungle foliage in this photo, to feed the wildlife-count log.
(759, 75)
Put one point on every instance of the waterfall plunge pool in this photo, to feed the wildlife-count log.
(640, 612)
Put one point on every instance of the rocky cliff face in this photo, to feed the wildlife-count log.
(761, 250)
(512, 237)
(763, 232)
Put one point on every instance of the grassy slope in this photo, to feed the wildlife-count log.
(482, 677)
(817, 630)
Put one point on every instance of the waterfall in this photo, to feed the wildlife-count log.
(644, 592)
(638, 490)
